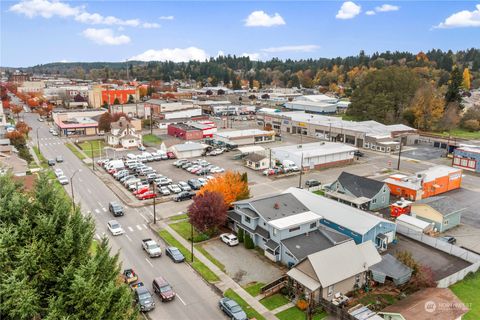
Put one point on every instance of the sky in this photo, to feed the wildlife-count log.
(43, 31)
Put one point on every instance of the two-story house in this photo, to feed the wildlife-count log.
(283, 227)
(360, 192)
(123, 133)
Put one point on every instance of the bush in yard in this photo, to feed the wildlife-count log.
(207, 212)
(240, 235)
(302, 304)
(249, 242)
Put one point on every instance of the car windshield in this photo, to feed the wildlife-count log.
(115, 225)
(175, 251)
(236, 309)
(165, 288)
(144, 296)
(153, 246)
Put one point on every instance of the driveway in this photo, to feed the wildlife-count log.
(242, 265)
(441, 263)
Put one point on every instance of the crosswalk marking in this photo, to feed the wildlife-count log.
(130, 228)
(144, 226)
(104, 209)
(138, 227)
(97, 211)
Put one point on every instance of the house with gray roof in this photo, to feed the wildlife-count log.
(443, 211)
(360, 192)
(282, 226)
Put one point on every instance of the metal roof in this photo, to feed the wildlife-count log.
(189, 146)
(316, 149)
(390, 267)
(443, 205)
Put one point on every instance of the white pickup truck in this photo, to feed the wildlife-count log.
(152, 248)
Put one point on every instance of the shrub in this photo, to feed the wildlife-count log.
(302, 304)
(249, 242)
(240, 235)
(472, 125)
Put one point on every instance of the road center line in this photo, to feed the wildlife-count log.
(138, 227)
(97, 211)
(129, 239)
(130, 228)
(151, 265)
(145, 226)
(181, 300)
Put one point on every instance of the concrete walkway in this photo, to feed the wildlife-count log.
(225, 282)
(282, 308)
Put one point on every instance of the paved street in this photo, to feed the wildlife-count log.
(195, 299)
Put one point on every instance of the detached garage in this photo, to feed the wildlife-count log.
(188, 150)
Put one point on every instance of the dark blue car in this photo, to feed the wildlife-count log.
(232, 309)
(174, 254)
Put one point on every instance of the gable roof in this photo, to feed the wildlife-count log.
(443, 205)
(360, 186)
(254, 157)
(344, 215)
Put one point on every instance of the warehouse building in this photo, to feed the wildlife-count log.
(362, 134)
(467, 157)
(188, 150)
(192, 130)
(244, 137)
(316, 155)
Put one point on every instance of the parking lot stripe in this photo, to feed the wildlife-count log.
(129, 239)
(151, 265)
(138, 227)
(104, 209)
(181, 299)
(97, 211)
(89, 191)
(130, 228)
(144, 218)
(144, 225)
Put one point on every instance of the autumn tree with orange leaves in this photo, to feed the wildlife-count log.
(23, 128)
(15, 109)
(232, 185)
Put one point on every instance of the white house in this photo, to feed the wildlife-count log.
(122, 133)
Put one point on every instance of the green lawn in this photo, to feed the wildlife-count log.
(182, 216)
(75, 151)
(467, 290)
(43, 161)
(294, 313)
(151, 139)
(202, 269)
(210, 257)
(93, 248)
(319, 192)
(251, 313)
(96, 145)
(462, 133)
(274, 301)
(254, 288)
(184, 228)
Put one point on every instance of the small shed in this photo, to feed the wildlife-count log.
(414, 224)
(443, 211)
(392, 268)
(257, 161)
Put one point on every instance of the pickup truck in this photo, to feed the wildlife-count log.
(152, 248)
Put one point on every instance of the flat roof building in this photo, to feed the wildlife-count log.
(244, 137)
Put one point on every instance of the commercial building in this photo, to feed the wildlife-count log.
(424, 184)
(132, 110)
(363, 134)
(467, 157)
(443, 211)
(159, 107)
(184, 131)
(357, 224)
(316, 155)
(188, 150)
(31, 87)
(78, 123)
(258, 161)
(106, 93)
(360, 192)
(244, 137)
(319, 103)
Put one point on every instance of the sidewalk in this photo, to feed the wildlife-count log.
(225, 281)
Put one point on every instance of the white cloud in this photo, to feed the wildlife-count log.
(220, 54)
(166, 18)
(370, 13)
(254, 56)
(150, 25)
(262, 19)
(386, 8)
(462, 19)
(64, 61)
(175, 55)
(301, 48)
(105, 37)
(53, 8)
(348, 10)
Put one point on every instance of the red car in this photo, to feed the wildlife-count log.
(141, 191)
(171, 155)
(146, 195)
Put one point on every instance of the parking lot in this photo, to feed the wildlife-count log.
(441, 263)
(243, 265)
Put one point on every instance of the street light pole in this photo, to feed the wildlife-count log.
(155, 203)
(191, 240)
(93, 157)
(399, 153)
(301, 172)
(71, 186)
(38, 141)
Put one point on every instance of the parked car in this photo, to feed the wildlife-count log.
(195, 184)
(171, 155)
(312, 183)
(164, 191)
(58, 172)
(358, 153)
(141, 147)
(163, 289)
(151, 247)
(54, 133)
(146, 195)
(184, 195)
(51, 162)
(229, 238)
(202, 181)
(144, 299)
(115, 228)
(115, 208)
(184, 186)
(217, 170)
(63, 180)
(129, 276)
(174, 188)
(232, 309)
(163, 181)
(449, 239)
(179, 162)
(59, 159)
(174, 254)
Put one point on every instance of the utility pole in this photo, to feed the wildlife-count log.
(301, 172)
(93, 157)
(270, 159)
(38, 141)
(399, 153)
(155, 203)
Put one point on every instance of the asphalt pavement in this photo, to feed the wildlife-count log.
(195, 298)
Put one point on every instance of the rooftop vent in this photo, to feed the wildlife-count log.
(276, 205)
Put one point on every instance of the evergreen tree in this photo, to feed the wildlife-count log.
(116, 101)
(454, 85)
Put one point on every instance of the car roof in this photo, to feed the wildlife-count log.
(113, 222)
(160, 280)
(231, 303)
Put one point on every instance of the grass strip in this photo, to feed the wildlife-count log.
(75, 151)
(254, 288)
(210, 257)
(274, 301)
(151, 139)
(294, 313)
(251, 313)
(202, 269)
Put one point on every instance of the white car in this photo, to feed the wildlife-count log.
(184, 186)
(164, 191)
(202, 181)
(55, 133)
(115, 227)
(63, 180)
(59, 172)
(217, 170)
(229, 238)
(174, 188)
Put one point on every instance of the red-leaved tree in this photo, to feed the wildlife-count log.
(208, 212)
(104, 122)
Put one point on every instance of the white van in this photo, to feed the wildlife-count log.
(131, 181)
(115, 165)
(131, 156)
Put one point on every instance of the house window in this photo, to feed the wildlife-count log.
(247, 219)
(374, 201)
(330, 290)
(313, 225)
(445, 222)
(383, 198)
(293, 229)
(274, 231)
(366, 145)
